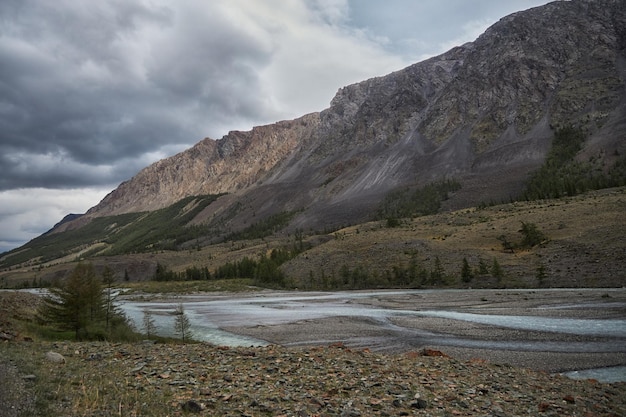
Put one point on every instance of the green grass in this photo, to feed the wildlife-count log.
(164, 229)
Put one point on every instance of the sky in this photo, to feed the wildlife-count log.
(92, 92)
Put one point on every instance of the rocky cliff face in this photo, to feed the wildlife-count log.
(481, 113)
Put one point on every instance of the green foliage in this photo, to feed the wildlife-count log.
(483, 267)
(413, 275)
(562, 175)
(164, 229)
(496, 270)
(125, 233)
(417, 202)
(393, 222)
(466, 271)
(532, 236)
(79, 304)
(263, 228)
(265, 271)
(437, 274)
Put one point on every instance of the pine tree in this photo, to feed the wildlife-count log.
(108, 278)
(77, 302)
(182, 324)
(149, 327)
(437, 274)
(496, 270)
(466, 271)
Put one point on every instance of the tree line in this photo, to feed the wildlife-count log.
(264, 271)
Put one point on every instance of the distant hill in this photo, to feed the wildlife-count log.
(536, 103)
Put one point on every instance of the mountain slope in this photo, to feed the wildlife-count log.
(480, 113)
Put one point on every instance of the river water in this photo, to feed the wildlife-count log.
(209, 315)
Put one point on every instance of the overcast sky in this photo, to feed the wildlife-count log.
(93, 91)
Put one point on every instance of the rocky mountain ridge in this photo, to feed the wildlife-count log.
(482, 113)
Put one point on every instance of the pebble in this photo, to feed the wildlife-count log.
(273, 380)
(55, 357)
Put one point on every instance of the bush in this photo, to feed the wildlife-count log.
(532, 236)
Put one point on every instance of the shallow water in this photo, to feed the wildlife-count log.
(208, 315)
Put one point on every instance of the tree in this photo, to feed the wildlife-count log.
(149, 327)
(496, 270)
(182, 324)
(483, 268)
(77, 302)
(532, 236)
(466, 271)
(506, 245)
(541, 274)
(437, 274)
(108, 278)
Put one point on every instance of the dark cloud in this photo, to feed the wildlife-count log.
(89, 84)
(91, 92)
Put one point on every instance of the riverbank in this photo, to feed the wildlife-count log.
(315, 373)
(146, 379)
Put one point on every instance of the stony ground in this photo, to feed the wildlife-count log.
(146, 379)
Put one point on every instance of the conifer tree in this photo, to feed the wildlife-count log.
(182, 324)
(149, 326)
(76, 302)
(466, 271)
(496, 270)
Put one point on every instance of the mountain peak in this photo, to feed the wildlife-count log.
(482, 113)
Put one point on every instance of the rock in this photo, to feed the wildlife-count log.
(6, 336)
(139, 367)
(432, 352)
(55, 357)
(569, 399)
(420, 404)
(543, 407)
(191, 406)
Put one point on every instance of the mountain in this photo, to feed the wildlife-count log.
(481, 113)
(481, 116)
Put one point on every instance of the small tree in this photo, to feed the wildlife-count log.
(182, 324)
(496, 270)
(108, 278)
(532, 236)
(437, 274)
(541, 274)
(506, 245)
(149, 327)
(466, 271)
(483, 267)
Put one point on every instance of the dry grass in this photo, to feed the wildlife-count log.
(585, 247)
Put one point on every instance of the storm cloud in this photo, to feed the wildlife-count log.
(91, 92)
